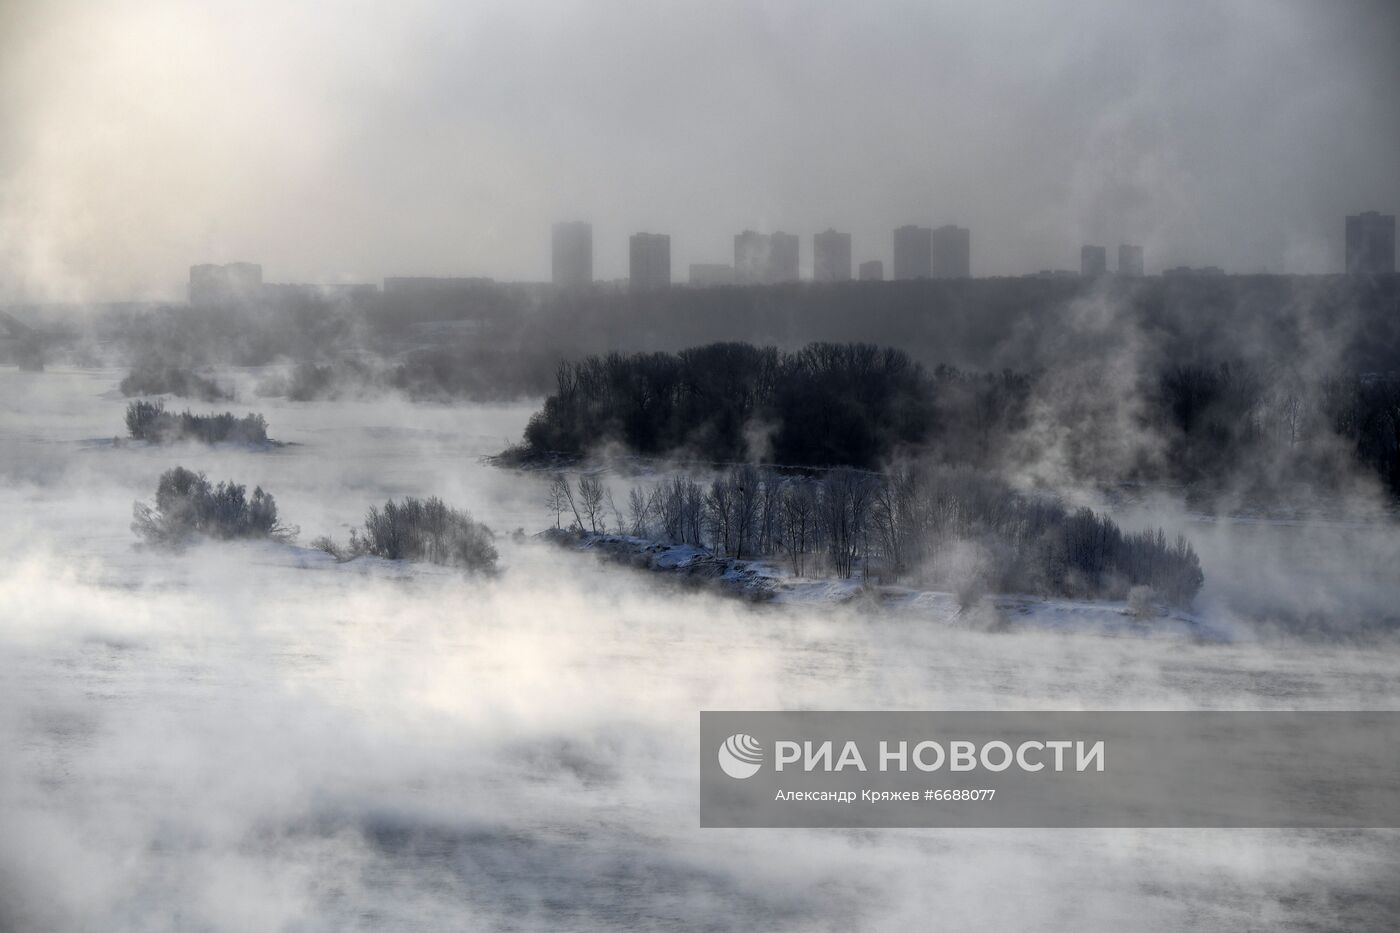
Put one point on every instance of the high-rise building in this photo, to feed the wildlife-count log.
(783, 255)
(217, 285)
(765, 259)
(1093, 260)
(751, 252)
(572, 255)
(1371, 242)
(872, 271)
(952, 253)
(831, 257)
(649, 260)
(1130, 260)
(913, 252)
(705, 274)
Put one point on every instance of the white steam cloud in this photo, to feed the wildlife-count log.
(253, 737)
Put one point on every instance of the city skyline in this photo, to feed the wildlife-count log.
(948, 256)
(477, 126)
(775, 258)
(937, 252)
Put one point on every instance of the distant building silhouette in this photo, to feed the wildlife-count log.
(831, 257)
(649, 260)
(706, 274)
(913, 252)
(783, 257)
(872, 271)
(1180, 271)
(751, 250)
(572, 254)
(1093, 260)
(422, 284)
(287, 293)
(1130, 260)
(765, 259)
(212, 284)
(952, 253)
(1371, 242)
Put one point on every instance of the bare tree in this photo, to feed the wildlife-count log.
(799, 508)
(640, 508)
(668, 503)
(894, 516)
(560, 491)
(719, 514)
(692, 512)
(843, 514)
(590, 494)
(612, 507)
(768, 512)
(744, 483)
(555, 499)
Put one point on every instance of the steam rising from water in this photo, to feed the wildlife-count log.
(253, 737)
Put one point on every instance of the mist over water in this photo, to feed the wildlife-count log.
(342, 217)
(251, 736)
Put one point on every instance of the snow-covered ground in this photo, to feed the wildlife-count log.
(252, 736)
(769, 581)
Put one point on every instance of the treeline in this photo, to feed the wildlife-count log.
(1230, 426)
(307, 381)
(924, 524)
(152, 376)
(1096, 359)
(824, 405)
(1293, 429)
(149, 421)
(501, 339)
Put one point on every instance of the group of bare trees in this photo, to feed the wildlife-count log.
(1239, 423)
(149, 421)
(589, 505)
(918, 523)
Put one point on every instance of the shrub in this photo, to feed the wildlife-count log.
(149, 421)
(1142, 602)
(308, 381)
(187, 506)
(420, 530)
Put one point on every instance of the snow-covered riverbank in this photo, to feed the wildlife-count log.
(766, 581)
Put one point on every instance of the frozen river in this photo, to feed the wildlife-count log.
(248, 737)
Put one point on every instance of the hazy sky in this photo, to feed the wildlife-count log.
(343, 141)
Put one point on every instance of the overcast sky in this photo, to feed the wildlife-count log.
(345, 141)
